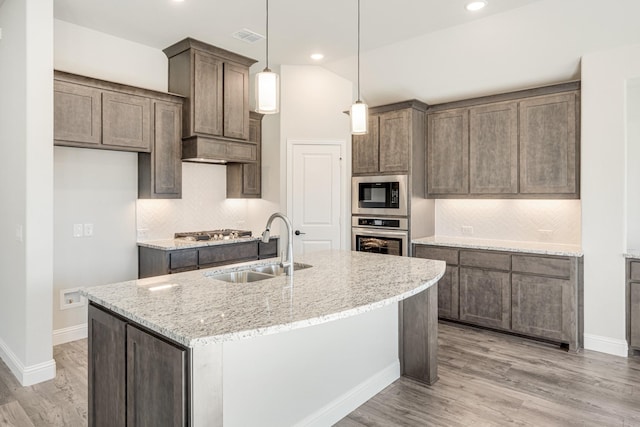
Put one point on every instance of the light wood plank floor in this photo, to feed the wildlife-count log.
(486, 379)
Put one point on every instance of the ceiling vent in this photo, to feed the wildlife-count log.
(247, 36)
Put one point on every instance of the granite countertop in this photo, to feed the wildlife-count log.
(173, 244)
(632, 253)
(502, 245)
(197, 310)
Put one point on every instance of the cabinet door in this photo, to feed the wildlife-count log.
(252, 172)
(126, 121)
(542, 306)
(106, 369)
(77, 114)
(236, 101)
(365, 149)
(634, 326)
(395, 141)
(449, 294)
(156, 381)
(448, 152)
(493, 149)
(207, 95)
(485, 297)
(167, 150)
(549, 145)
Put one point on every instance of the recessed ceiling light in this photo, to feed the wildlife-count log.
(317, 56)
(475, 5)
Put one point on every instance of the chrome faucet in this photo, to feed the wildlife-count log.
(288, 264)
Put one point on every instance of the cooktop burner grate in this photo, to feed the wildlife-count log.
(223, 234)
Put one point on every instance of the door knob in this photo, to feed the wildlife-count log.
(298, 232)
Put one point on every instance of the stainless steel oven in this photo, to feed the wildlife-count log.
(379, 195)
(380, 235)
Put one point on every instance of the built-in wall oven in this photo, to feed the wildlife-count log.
(379, 195)
(380, 235)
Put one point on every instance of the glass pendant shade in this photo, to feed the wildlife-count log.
(267, 88)
(359, 120)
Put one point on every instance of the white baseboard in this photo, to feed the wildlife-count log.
(72, 333)
(606, 345)
(28, 375)
(349, 401)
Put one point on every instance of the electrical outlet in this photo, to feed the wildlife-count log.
(142, 233)
(467, 230)
(545, 235)
(77, 230)
(88, 230)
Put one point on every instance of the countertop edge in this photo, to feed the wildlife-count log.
(499, 246)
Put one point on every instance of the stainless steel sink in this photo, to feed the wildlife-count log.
(277, 270)
(255, 273)
(243, 276)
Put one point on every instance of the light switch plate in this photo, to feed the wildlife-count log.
(77, 230)
(88, 230)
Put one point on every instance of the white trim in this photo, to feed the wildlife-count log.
(345, 404)
(27, 375)
(72, 333)
(606, 345)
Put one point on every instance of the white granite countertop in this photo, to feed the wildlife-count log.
(502, 245)
(173, 244)
(198, 310)
(632, 253)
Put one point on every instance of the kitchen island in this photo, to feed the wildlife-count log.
(321, 342)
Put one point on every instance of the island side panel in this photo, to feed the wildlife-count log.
(206, 386)
(419, 336)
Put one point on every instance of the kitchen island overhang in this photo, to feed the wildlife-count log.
(202, 314)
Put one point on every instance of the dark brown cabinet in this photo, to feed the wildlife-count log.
(92, 113)
(135, 378)
(215, 83)
(548, 145)
(156, 262)
(633, 305)
(448, 153)
(395, 139)
(517, 145)
(244, 180)
(156, 381)
(530, 294)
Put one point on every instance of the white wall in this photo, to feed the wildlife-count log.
(604, 194)
(517, 220)
(312, 105)
(26, 132)
(633, 171)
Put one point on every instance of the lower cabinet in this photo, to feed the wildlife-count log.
(529, 294)
(135, 378)
(633, 305)
(485, 297)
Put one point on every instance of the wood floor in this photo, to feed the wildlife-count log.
(486, 379)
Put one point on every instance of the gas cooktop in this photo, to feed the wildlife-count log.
(224, 234)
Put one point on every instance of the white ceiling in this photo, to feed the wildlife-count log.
(432, 50)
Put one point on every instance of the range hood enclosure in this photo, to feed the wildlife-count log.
(215, 84)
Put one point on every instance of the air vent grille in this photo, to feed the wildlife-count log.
(247, 36)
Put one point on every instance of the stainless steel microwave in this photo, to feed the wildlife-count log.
(379, 195)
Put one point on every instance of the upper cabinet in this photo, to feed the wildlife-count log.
(396, 135)
(244, 180)
(518, 145)
(215, 83)
(92, 113)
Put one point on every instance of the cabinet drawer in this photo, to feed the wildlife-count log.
(232, 252)
(495, 261)
(634, 270)
(183, 259)
(546, 266)
(450, 256)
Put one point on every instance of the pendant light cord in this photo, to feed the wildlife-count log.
(267, 14)
(358, 50)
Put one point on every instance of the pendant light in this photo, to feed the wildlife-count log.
(359, 110)
(267, 84)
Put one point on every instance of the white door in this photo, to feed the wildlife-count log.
(315, 195)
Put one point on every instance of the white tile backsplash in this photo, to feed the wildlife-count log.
(556, 221)
(203, 206)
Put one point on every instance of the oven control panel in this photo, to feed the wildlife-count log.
(377, 222)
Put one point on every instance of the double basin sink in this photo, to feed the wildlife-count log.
(256, 273)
